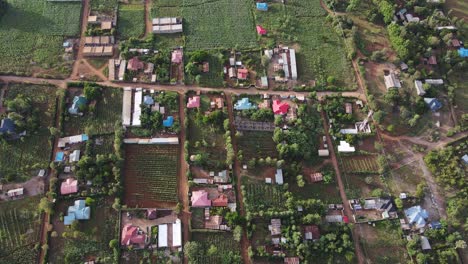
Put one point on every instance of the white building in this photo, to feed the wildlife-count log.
(345, 147)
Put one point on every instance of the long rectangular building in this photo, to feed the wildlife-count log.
(137, 107)
(111, 67)
(127, 107)
(285, 65)
(292, 58)
(165, 21)
(167, 29)
(122, 67)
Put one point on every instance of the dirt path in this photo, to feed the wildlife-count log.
(84, 23)
(437, 199)
(237, 173)
(95, 71)
(430, 145)
(149, 24)
(183, 181)
(347, 210)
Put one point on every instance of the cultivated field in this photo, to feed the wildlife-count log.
(263, 196)
(106, 6)
(257, 144)
(19, 230)
(31, 36)
(131, 22)
(218, 24)
(20, 157)
(360, 164)
(150, 175)
(108, 111)
(215, 77)
(224, 242)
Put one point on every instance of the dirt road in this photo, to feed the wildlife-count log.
(84, 23)
(347, 209)
(148, 23)
(237, 169)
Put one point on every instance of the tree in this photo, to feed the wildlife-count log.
(460, 244)
(92, 92)
(331, 80)
(399, 203)
(237, 233)
(212, 250)
(90, 201)
(369, 180)
(300, 181)
(311, 219)
(46, 206)
(420, 190)
(113, 243)
(192, 249)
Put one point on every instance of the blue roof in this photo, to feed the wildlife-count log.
(465, 158)
(433, 103)
(244, 104)
(436, 225)
(7, 126)
(416, 215)
(168, 122)
(148, 100)
(79, 210)
(59, 156)
(69, 219)
(262, 6)
(78, 101)
(84, 137)
(463, 52)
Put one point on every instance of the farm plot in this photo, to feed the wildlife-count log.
(20, 230)
(360, 164)
(257, 144)
(228, 249)
(263, 196)
(20, 157)
(151, 175)
(218, 24)
(108, 110)
(131, 21)
(105, 6)
(213, 78)
(31, 36)
(167, 8)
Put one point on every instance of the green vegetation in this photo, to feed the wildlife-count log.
(151, 172)
(193, 69)
(212, 247)
(20, 158)
(131, 22)
(31, 35)
(263, 197)
(107, 6)
(20, 230)
(257, 144)
(360, 164)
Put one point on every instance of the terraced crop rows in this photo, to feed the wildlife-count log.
(361, 164)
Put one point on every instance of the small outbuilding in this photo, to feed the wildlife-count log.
(262, 6)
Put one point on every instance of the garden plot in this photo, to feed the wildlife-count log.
(218, 24)
(261, 196)
(360, 164)
(228, 250)
(31, 36)
(20, 229)
(257, 144)
(151, 175)
(21, 157)
(131, 22)
(108, 110)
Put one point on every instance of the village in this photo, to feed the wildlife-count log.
(181, 133)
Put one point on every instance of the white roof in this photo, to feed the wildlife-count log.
(425, 245)
(345, 147)
(200, 181)
(123, 66)
(419, 88)
(279, 176)
(391, 81)
(292, 57)
(137, 108)
(323, 152)
(75, 156)
(267, 180)
(334, 218)
(127, 107)
(434, 81)
(177, 234)
(17, 191)
(41, 173)
(162, 236)
(285, 65)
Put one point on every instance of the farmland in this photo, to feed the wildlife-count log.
(31, 36)
(19, 230)
(108, 110)
(20, 157)
(228, 250)
(215, 25)
(360, 164)
(131, 21)
(263, 196)
(150, 174)
(103, 5)
(215, 77)
(257, 144)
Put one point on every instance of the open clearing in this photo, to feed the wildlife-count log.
(21, 157)
(31, 36)
(151, 175)
(131, 21)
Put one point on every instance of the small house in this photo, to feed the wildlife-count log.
(391, 81)
(132, 235)
(262, 6)
(193, 102)
(205, 67)
(465, 158)
(244, 104)
(291, 260)
(7, 126)
(261, 31)
(416, 216)
(217, 103)
(345, 147)
(221, 201)
(432, 60)
(134, 64)
(69, 186)
(59, 156)
(425, 245)
(242, 74)
(275, 227)
(151, 214)
(200, 199)
(280, 108)
(79, 102)
(168, 122)
(316, 177)
(463, 52)
(323, 152)
(311, 232)
(435, 225)
(403, 66)
(348, 108)
(455, 43)
(148, 100)
(279, 177)
(232, 73)
(78, 211)
(176, 56)
(75, 155)
(264, 81)
(18, 192)
(419, 88)
(222, 177)
(265, 104)
(106, 25)
(433, 104)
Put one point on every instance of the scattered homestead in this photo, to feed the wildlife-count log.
(167, 25)
(99, 46)
(345, 147)
(69, 186)
(62, 142)
(244, 104)
(416, 216)
(391, 81)
(78, 211)
(433, 104)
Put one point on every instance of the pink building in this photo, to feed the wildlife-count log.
(131, 236)
(69, 186)
(176, 56)
(242, 74)
(193, 102)
(261, 30)
(200, 199)
(280, 108)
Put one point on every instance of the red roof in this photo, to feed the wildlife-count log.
(432, 60)
(134, 64)
(242, 74)
(193, 102)
(291, 260)
(222, 200)
(455, 43)
(130, 236)
(176, 56)
(316, 177)
(261, 30)
(345, 219)
(200, 199)
(280, 108)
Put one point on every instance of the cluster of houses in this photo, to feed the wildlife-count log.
(167, 25)
(373, 209)
(433, 103)
(236, 70)
(66, 153)
(283, 62)
(99, 46)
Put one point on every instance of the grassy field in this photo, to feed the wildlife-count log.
(19, 230)
(22, 157)
(224, 242)
(108, 111)
(215, 77)
(218, 24)
(150, 174)
(320, 50)
(31, 36)
(257, 144)
(131, 21)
